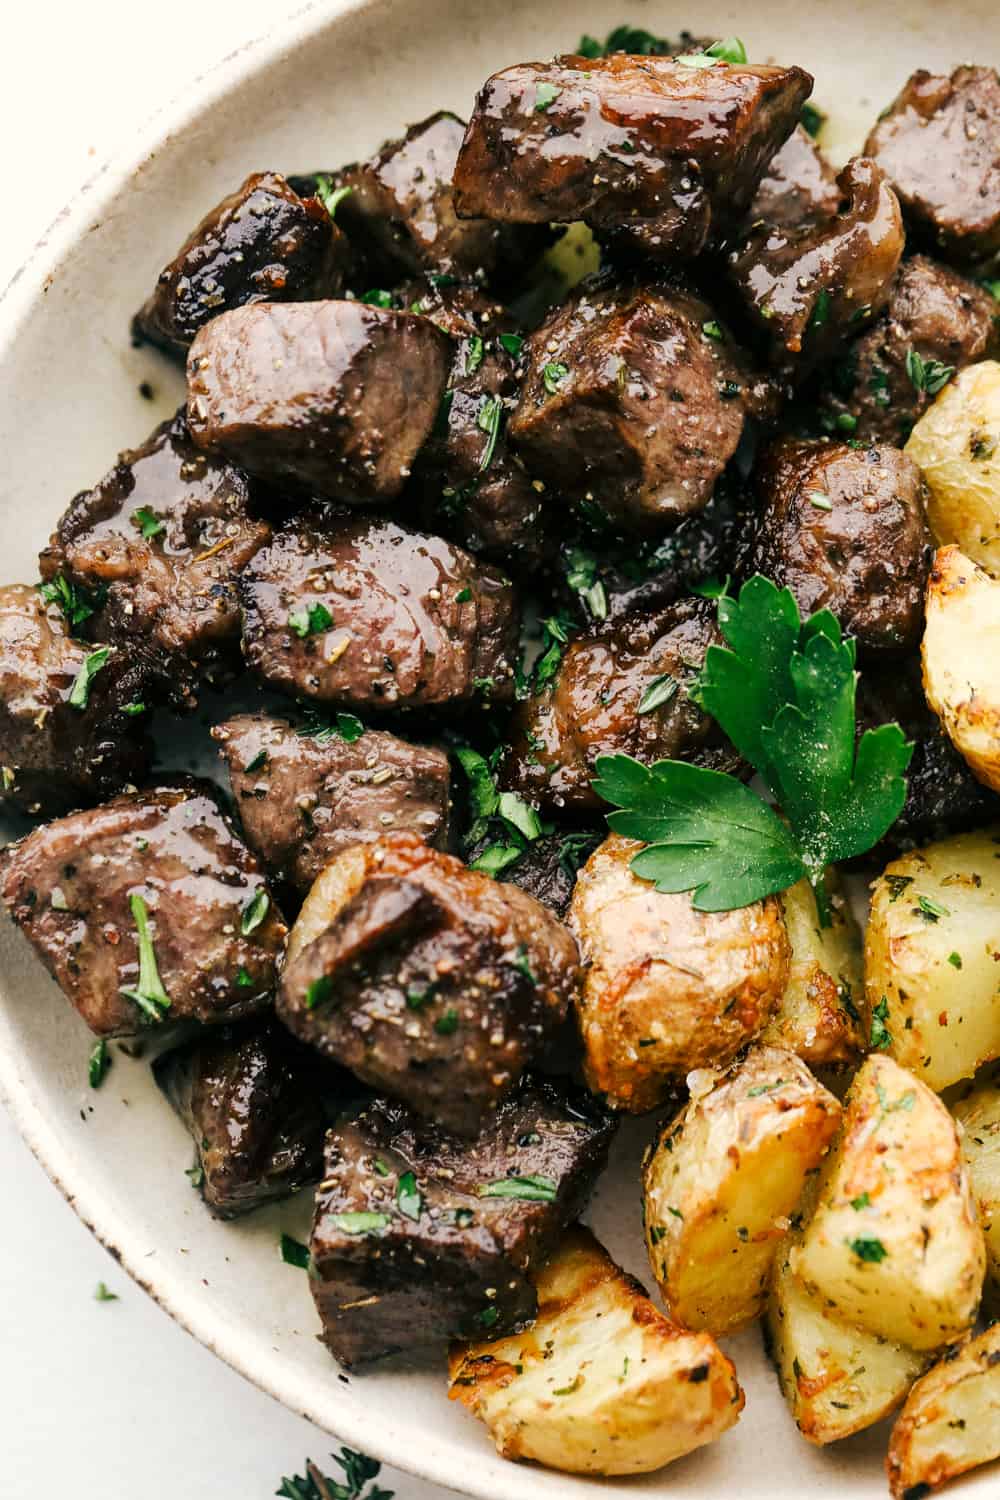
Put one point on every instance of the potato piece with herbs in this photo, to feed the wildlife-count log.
(666, 988)
(602, 1382)
(961, 660)
(978, 1115)
(894, 1244)
(722, 1181)
(817, 1016)
(951, 1421)
(932, 948)
(956, 445)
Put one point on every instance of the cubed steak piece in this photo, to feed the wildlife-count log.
(306, 792)
(261, 244)
(939, 145)
(257, 1104)
(71, 717)
(799, 186)
(656, 156)
(546, 868)
(936, 322)
(368, 614)
(337, 397)
(621, 688)
(428, 980)
(161, 539)
(844, 529)
(804, 287)
(147, 909)
(419, 1237)
(634, 400)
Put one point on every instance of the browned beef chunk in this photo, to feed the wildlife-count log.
(367, 614)
(306, 793)
(844, 529)
(799, 186)
(657, 157)
(334, 396)
(257, 1104)
(942, 316)
(805, 286)
(939, 145)
(71, 718)
(634, 401)
(147, 909)
(163, 537)
(619, 689)
(433, 982)
(261, 244)
(419, 1237)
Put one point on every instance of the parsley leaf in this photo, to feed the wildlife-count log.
(294, 1253)
(927, 374)
(316, 726)
(76, 603)
(553, 374)
(329, 196)
(148, 522)
(357, 1468)
(255, 911)
(658, 692)
(812, 119)
(881, 1037)
(581, 576)
(533, 1189)
(149, 994)
(411, 1204)
(488, 421)
(98, 1063)
(545, 95)
(311, 619)
(866, 1247)
(730, 50)
(79, 693)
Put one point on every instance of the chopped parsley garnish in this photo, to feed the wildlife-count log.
(523, 966)
(195, 1175)
(488, 1316)
(474, 350)
(513, 343)
(847, 421)
(553, 374)
(408, 1197)
(820, 499)
(867, 1248)
(574, 1385)
(712, 588)
(76, 603)
(133, 709)
(631, 39)
(821, 309)
(534, 1189)
(660, 691)
(357, 1469)
(488, 421)
(98, 1063)
(520, 815)
(764, 1088)
(927, 374)
(447, 1024)
(149, 994)
(244, 979)
(319, 991)
(463, 596)
(148, 522)
(812, 119)
(259, 760)
(254, 912)
(863, 1201)
(556, 631)
(729, 50)
(496, 858)
(294, 1253)
(881, 1037)
(312, 619)
(377, 297)
(712, 330)
(101, 1294)
(581, 576)
(896, 885)
(79, 693)
(546, 95)
(955, 959)
(574, 849)
(329, 196)
(931, 911)
(363, 1222)
(315, 726)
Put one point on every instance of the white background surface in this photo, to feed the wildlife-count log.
(109, 1401)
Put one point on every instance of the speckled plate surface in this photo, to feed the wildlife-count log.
(333, 83)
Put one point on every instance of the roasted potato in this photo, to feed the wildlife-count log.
(931, 953)
(817, 1016)
(961, 660)
(894, 1244)
(602, 1382)
(956, 445)
(951, 1420)
(978, 1115)
(722, 1181)
(666, 988)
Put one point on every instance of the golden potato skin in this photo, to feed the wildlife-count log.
(818, 1016)
(721, 1183)
(666, 988)
(950, 1422)
(932, 951)
(961, 660)
(956, 445)
(978, 1115)
(602, 1383)
(894, 1244)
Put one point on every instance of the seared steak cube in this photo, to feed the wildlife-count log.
(147, 909)
(257, 1104)
(634, 400)
(162, 537)
(546, 868)
(939, 145)
(335, 396)
(306, 793)
(419, 1237)
(657, 157)
(430, 981)
(71, 718)
(844, 529)
(799, 186)
(806, 286)
(261, 244)
(367, 614)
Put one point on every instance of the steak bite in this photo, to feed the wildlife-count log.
(430, 980)
(844, 529)
(939, 145)
(419, 1237)
(806, 285)
(367, 614)
(163, 537)
(256, 1103)
(148, 908)
(799, 186)
(261, 244)
(71, 725)
(634, 400)
(337, 397)
(657, 157)
(305, 794)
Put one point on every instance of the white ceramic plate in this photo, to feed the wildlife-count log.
(333, 83)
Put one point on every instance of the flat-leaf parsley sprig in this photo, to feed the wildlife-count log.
(784, 693)
(357, 1468)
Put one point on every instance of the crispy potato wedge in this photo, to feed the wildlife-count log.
(950, 1422)
(894, 1244)
(602, 1383)
(956, 445)
(932, 947)
(961, 659)
(722, 1181)
(978, 1114)
(817, 1017)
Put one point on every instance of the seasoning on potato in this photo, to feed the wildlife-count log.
(956, 445)
(961, 659)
